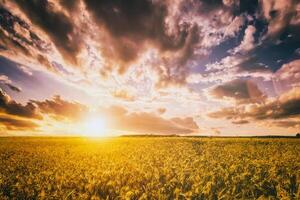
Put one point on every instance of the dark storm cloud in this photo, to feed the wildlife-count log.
(18, 38)
(69, 4)
(174, 71)
(286, 106)
(9, 106)
(247, 6)
(17, 124)
(8, 43)
(137, 20)
(128, 24)
(241, 90)
(55, 24)
(201, 6)
(131, 25)
(14, 39)
(8, 21)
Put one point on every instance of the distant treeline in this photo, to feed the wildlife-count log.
(206, 136)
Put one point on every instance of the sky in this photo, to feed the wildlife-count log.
(185, 67)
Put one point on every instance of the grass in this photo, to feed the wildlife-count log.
(149, 168)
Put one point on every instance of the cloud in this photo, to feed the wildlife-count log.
(248, 43)
(132, 29)
(252, 65)
(9, 106)
(26, 70)
(34, 114)
(289, 73)
(279, 14)
(61, 109)
(138, 53)
(13, 124)
(123, 94)
(20, 42)
(55, 24)
(232, 67)
(13, 88)
(235, 26)
(15, 116)
(181, 32)
(161, 110)
(215, 131)
(147, 123)
(34, 30)
(16, 33)
(187, 122)
(243, 91)
(240, 122)
(131, 24)
(174, 70)
(285, 107)
(19, 117)
(286, 123)
(70, 5)
(6, 81)
(150, 123)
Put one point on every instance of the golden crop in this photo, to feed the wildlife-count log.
(149, 168)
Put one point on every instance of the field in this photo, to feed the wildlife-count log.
(149, 168)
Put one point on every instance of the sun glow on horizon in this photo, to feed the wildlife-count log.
(95, 127)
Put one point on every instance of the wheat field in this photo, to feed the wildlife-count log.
(149, 168)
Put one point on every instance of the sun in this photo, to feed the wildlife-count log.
(95, 127)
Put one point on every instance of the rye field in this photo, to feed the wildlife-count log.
(149, 168)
